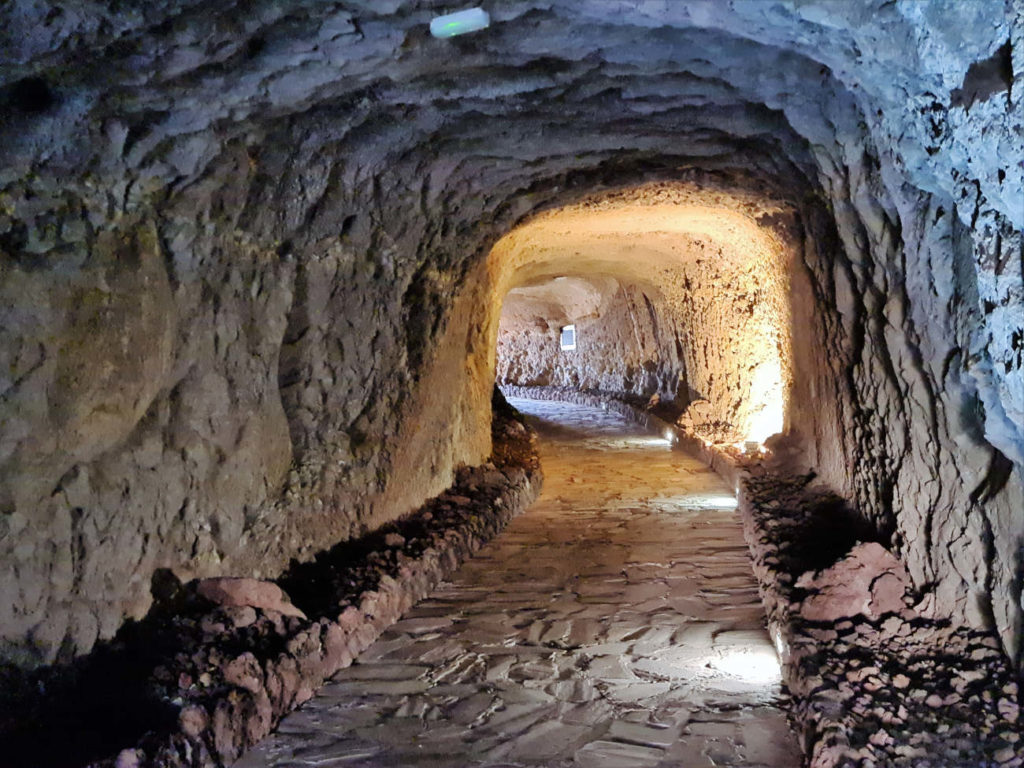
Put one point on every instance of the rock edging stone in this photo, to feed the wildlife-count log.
(874, 682)
(260, 691)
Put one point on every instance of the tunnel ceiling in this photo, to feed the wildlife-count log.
(246, 248)
(639, 234)
(731, 85)
(561, 300)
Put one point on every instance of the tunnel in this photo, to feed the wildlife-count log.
(673, 292)
(269, 272)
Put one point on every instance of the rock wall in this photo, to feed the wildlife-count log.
(219, 662)
(705, 299)
(247, 309)
(622, 345)
(185, 394)
(736, 341)
(873, 681)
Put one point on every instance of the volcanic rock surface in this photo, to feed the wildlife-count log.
(874, 682)
(218, 662)
(248, 310)
(692, 304)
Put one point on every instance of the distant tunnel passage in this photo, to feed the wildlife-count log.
(615, 623)
(673, 290)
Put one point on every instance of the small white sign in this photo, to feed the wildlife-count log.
(568, 338)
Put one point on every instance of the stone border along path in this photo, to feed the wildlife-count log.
(616, 623)
(198, 683)
(874, 683)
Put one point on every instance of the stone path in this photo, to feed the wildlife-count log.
(616, 624)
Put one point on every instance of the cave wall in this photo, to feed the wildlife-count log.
(625, 344)
(243, 256)
(903, 429)
(707, 327)
(213, 402)
(735, 321)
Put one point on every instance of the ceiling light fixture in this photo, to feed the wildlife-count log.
(460, 22)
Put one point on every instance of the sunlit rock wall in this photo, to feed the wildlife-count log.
(701, 318)
(243, 264)
(734, 314)
(623, 343)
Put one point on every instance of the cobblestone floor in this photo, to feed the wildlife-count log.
(616, 624)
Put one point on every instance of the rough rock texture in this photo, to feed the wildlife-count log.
(693, 305)
(247, 593)
(219, 662)
(620, 344)
(868, 581)
(247, 309)
(874, 682)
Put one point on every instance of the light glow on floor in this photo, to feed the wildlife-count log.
(635, 442)
(751, 665)
(701, 501)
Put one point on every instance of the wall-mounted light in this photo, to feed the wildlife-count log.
(460, 22)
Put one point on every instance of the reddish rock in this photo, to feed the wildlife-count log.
(350, 618)
(244, 672)
(335, 645)
(240, 592)
(240, 616)
(128, 758)
(869, 581)
(227, 726)
(193, 721)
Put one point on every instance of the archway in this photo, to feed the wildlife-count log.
(675, 291)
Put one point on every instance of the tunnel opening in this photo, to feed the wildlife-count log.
(678, 297)
(682, 296)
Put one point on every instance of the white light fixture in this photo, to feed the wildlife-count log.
(460, 22)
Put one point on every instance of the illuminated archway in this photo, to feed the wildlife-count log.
(714, 281)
